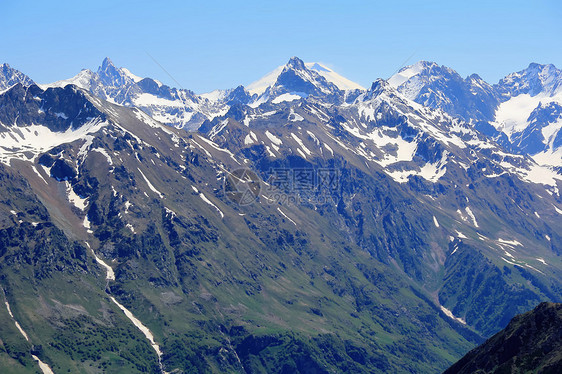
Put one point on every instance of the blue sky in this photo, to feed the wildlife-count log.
(213, 44)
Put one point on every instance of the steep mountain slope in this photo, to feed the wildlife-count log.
(10, 76)
(441, 87)
(531, 342)
(415, 180)
(220, 286)
(378, 235)
(531, 112)
(522, 112)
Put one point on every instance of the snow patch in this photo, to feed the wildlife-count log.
(469, 212)
(288, 97)
(204, 198)
(275, 140)
(450, 314)
(286, 216)
(76, 200)
(435, 222)
(152, 188)
(510, 242)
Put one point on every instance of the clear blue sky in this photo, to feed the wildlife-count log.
(213, 44)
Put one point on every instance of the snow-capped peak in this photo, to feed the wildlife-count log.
(260, 86)
(408, 72)
(111, 75)
(331, 76)
(537, 78)
(82, 80)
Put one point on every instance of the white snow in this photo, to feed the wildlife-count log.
(133, 77)
(288, 97)
(76, 200)
(110, 274)
(87, 225)
(202, 148)
(331, 76)
(512, 115)
(469, 212)
(404, 74)
(295, 117)
(215, 146)
(461, 235)
(205, 199)
(36, 139)
(150, 185)
(37, 172)
(248, 140)
(103, 151)
(146, 100)
(435, 222)
(82, 80)
(537, 174)
(300, 142)
(433, 172)
(23, 333)
(259, 86)
(509, 242)
(286, 216)
(328, 148)
(147, 333)
(450, 314)
(275, 140)
(549, 157)
(43, 366)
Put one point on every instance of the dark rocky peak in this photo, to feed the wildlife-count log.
(112, 76)
(295, 63)
(441, 87)
(378, 87)
(10, 76)
(239, 95)
(297, 78)
(57, 108)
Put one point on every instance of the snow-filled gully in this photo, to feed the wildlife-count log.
(110, 276)
(45, 369)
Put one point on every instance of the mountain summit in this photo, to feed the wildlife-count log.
(10, 76)
(311, 72)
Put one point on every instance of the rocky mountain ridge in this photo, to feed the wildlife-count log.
(380, 235)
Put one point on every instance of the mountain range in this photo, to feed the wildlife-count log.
(387, 229)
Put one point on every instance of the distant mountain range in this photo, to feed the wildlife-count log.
(522, 112)
(303, 224)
